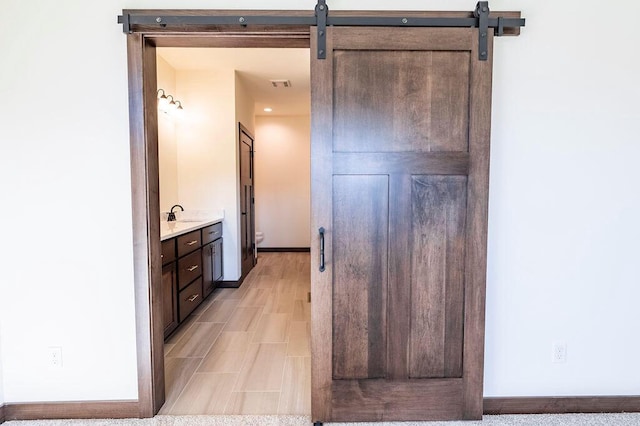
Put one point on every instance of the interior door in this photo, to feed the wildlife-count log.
(400, 160)
(247, 221)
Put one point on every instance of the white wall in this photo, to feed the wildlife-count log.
(167, 141)
(283, 181)
(245, 109)
(563, 225)
(65, 185)
(564, 203)
(207, 153)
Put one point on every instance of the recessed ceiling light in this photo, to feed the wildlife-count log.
(267, 109)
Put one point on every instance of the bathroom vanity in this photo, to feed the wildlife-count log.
(191, 267)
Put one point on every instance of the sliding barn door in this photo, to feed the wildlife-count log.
(400, 160)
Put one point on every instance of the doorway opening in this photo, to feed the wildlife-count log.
(242, 136)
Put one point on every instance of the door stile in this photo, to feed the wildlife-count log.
(399, 294)
(477, 217)
(321, 216)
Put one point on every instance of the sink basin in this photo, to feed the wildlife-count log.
(188, 220)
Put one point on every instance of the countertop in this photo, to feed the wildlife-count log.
(179, 227)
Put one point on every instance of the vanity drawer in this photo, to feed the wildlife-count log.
(211, 233)
(189, 242)
(168, 251)
(189, 268)
(189, 299)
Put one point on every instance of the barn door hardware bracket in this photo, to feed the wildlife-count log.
(152, 23)
(482, 13)
(322, 11)
(125, 21)
(500, 26)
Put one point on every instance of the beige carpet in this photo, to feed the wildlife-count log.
(624, 419)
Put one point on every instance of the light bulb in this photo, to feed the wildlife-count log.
(179, 111)
(163, 103)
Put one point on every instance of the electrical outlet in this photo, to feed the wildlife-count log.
(55, 356)
(559, 353)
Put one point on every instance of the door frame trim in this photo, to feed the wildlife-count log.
(143, 135)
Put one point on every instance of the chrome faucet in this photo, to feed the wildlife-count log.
(172, 215)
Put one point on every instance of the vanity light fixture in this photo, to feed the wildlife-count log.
(166, 103)
(268, 109)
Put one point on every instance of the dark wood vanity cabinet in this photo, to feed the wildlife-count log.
(191, 268)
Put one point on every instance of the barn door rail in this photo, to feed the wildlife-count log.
(166, 21)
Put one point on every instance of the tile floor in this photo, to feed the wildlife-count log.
(246, 350)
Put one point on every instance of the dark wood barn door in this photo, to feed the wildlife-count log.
(247, 210)
(400, 160)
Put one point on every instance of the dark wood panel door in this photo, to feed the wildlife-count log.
(211, 266)
(400, 160)
(247, 210)
(217, 261)
(208, 283)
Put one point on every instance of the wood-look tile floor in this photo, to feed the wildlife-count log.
(246, 350)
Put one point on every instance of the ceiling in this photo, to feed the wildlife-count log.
(256, 67)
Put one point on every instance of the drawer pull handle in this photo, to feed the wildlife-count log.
(213, 232)
(190, 243)
(192, 268)
(194, 297)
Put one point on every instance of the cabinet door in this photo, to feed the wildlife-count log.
(169, 300)
(208, 273)
(217, 260)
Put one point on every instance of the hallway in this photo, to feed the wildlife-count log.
(246, 350)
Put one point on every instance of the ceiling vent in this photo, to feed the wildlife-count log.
(280, 83)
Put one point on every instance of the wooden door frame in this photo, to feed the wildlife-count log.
(143, 118)
(142, 41)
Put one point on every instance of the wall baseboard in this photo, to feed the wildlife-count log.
(515, 405)
(71, 410)
(561, 405)
(283, 249)
(229, 284)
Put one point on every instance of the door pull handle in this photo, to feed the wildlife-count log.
(321, 231)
